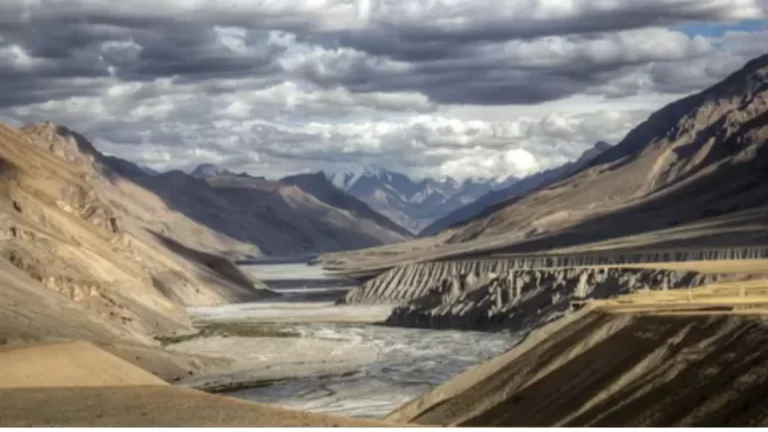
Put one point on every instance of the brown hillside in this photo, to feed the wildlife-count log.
(614, 369)
(101, 243)
(699, 160)
(281, 219)
(704, 155)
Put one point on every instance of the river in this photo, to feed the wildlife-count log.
(403, 362)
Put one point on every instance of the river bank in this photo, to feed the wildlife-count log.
(300, 357)
(302, 351)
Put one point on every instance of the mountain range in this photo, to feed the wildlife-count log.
(98, 248)
(393, 200)
(410, 203)
(519, 188)
(280, 218)
(104, 249)
(693, 175)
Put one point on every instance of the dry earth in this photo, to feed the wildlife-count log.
(77, 384)
(63, 365)
(633, 361)
(87, 254)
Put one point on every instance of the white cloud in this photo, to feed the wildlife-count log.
(430, 87)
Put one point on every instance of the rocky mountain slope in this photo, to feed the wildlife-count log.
(495, 198)
(281, 219)
(411, 204)
(611, 368)
(320, 187)
(702, 158)
(207, 170)
(87, 253)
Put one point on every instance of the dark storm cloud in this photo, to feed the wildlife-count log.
(282, 85)
(47, 57)
(519, 76)
(81, 39)
(422, 40)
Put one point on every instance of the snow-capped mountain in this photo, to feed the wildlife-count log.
(519, 187)
(411, 204)
(350, 175)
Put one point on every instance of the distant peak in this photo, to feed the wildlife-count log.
(602, 145)
(208, 170)
(347, 177)
(315, 176)
(756, 64)
(366, 170)
(479, 180)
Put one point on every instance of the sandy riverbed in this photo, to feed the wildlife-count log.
(256, 360)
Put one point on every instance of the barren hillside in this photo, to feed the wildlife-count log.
(700, 158)
(493, 200)
(282, 219)
(320, 187)
(119, 261)
(612, 368)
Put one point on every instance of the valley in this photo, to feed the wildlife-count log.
(626, 287)
(319, 357)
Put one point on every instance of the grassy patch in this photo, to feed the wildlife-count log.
(230, 329)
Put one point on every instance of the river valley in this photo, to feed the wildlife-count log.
(369, 369)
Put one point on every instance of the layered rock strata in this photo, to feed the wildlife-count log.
(523, 299)
(504, 294)
(405, 283)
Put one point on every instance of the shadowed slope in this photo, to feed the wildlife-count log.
(280, 219)
(320, 187)
(498, 199)
(615, 370)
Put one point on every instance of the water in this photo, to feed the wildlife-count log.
(407, 362)
(287, 271)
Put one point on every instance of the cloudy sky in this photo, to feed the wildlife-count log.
(428, 87)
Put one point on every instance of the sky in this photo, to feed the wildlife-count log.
(461, 88)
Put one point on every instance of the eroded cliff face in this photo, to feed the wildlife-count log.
(520, 299)
(405, 283)
(520, 293)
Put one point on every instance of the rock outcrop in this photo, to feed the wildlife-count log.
(405, 283)
(520, 299)
(517, 293)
